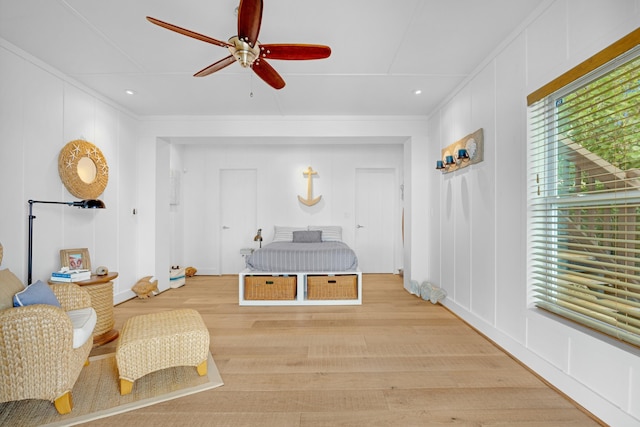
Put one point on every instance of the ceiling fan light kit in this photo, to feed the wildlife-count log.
(243, 52)
(246, 50)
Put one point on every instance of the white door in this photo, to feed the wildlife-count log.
(238, 210)
(375, 220)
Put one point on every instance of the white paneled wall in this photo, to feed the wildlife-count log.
(509, 148)
(481, 251)
(481, 197)
(40, 112)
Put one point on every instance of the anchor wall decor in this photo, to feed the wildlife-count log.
(309, 201)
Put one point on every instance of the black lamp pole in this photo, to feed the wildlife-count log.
(83, 204)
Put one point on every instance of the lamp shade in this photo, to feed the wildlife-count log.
(92, 204)
(258, 237)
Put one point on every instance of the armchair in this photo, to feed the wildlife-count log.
(37, 355)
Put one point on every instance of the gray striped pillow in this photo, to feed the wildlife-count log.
(285, 234)
(330, 233)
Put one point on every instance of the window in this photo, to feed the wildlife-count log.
(584, 193)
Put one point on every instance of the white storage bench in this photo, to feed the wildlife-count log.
(300, 288)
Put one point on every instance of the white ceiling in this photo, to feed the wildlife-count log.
(382, 51)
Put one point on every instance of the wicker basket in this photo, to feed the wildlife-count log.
(270, 287)
(332, 287)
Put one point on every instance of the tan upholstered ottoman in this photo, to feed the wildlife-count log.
(151, 342)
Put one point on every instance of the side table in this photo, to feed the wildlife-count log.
(101, 290)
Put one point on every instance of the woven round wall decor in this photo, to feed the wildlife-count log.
(74, 160)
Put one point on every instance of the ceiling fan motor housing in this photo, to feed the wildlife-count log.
(243, 52)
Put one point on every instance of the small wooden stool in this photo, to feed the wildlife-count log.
(151, 342)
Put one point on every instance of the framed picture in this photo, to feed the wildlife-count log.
(75, 259)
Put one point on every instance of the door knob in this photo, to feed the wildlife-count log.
(359, 226)
(224, 227)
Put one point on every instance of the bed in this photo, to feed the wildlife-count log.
(310, 265)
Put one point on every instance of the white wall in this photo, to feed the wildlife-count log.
(279, 171)
(40, 112)
(309, 136)
(480, 255)
(176, 206)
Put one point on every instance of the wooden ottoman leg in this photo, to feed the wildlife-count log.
(64, 404)
(202, 368)
(125, 386)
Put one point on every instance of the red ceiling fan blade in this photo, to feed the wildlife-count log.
(216, 66)
(188, 33)
(294, 51)
(267, 73)
(249, 20)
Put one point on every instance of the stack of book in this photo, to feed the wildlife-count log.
(70, 275)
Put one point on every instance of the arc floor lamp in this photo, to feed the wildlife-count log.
(82, 204)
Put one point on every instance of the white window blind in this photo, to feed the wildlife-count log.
(584, 199)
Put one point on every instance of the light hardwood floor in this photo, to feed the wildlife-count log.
(396, 360)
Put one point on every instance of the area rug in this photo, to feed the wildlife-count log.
(96, 394)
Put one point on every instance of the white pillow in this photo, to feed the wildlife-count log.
(84, 322)
(330, 233)
(285, 234)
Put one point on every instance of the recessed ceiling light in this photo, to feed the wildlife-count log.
(129, 92)
(417, 92)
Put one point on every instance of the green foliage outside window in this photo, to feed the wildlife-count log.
(585, 194)
(602, 116)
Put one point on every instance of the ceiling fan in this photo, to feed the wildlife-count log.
(245, 48)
